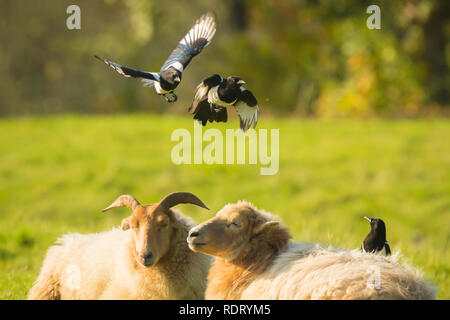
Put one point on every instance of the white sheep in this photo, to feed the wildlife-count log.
(255, 260)
(148, 258)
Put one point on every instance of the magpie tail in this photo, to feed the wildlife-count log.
(213, 113)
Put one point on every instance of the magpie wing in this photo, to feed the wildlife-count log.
(198, 37)
(201, 92)
(149, 77)
(247, 109)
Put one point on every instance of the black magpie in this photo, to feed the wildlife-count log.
(168, 78)
(376, 239)
(214, 94)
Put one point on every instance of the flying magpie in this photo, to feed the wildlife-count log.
(215, 94)
(376, 239)
(167, 79)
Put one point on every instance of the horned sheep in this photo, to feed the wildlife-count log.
(148, 258)
(254, 259)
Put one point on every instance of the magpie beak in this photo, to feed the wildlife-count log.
(241, 82)
(368, 219)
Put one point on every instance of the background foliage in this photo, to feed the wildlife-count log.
(303, 57)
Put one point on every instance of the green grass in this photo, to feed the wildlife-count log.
(57, 173)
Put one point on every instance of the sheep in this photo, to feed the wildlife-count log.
(148, 258)
(254, 259)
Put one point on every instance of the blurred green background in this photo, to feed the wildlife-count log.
(363, 119)
(57, 173)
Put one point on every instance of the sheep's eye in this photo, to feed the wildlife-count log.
(162, 224)
(233, 224)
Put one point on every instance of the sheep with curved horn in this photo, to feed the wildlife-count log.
(124, 201)
(148, 258)
(173, 199)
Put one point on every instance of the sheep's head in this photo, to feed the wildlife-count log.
(152, 225)
(228, 234)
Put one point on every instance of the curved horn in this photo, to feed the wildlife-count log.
(181, 197)
(124, 200)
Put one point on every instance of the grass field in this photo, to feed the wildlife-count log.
(57, 173)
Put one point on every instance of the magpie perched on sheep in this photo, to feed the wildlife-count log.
(215, 94)
(254, 258)
(169, 77)
(375, 241)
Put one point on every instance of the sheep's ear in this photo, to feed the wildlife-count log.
(265, 226)
(125, 224)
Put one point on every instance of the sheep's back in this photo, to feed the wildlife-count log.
(308, 272)
(87, 262)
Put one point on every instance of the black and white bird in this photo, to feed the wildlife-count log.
(215, 94)
(167, 79)
(375, 241)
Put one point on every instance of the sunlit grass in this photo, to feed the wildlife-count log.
(57, 173)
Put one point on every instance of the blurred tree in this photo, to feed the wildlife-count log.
(238, 14)
(435, 51)
(311, 58)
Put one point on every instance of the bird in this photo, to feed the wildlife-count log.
(375, 241)
(215, 94)
(169, 77)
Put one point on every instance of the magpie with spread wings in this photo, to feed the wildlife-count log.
(167, 79)
(215, 94)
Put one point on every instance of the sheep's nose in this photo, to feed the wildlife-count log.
(147, 256)
(194, 234)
